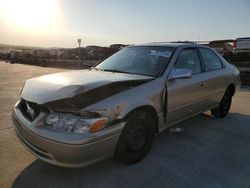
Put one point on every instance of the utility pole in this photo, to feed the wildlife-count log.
(79, 53)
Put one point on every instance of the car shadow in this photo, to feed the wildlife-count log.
(209, 152)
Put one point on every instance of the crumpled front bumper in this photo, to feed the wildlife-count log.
(74, 154)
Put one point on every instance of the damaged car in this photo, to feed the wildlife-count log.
(116, 107)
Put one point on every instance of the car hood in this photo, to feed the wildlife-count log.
(68, 84)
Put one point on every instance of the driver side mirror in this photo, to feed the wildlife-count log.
(180, 73)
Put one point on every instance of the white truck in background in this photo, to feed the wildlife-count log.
(242, 45)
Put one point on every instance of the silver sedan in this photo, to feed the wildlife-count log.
(115, 108)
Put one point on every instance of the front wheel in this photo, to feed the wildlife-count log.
(224, 106)
(136, 138)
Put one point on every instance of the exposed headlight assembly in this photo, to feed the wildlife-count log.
(72, 123)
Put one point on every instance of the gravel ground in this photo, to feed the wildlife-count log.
(209, 152)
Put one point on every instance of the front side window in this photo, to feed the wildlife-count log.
(189, 59)
(210, 59)
(145, 60)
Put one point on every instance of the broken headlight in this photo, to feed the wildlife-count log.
(72, 123)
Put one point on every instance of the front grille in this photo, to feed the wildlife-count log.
(29, 110)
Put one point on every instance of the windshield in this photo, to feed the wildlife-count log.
(149, 60)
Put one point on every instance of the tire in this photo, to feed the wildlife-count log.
(222, 110)
(136, 139)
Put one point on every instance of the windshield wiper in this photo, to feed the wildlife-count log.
(120, 71)
(94, 68)
(114, 70)
(109, 70)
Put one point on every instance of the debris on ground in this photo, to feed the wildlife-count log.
(176, 130)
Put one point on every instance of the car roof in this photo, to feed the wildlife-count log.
(167, 44)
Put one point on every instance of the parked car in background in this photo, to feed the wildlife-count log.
(223, 47)
(116, 108)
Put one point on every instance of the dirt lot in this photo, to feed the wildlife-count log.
(209, 152)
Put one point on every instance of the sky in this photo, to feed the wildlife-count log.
(59, 23)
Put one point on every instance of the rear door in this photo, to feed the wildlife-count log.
(216, 77)
(186, 96)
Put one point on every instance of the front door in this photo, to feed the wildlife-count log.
(186, 95)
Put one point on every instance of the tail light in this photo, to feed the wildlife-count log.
(234, 44)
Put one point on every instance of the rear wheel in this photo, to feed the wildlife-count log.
(224, 106)
(136, 138)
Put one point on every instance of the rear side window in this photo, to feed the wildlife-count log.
(189, 59)
(210, 59)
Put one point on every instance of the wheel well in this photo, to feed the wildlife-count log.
(231, 88)
(151, 111)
